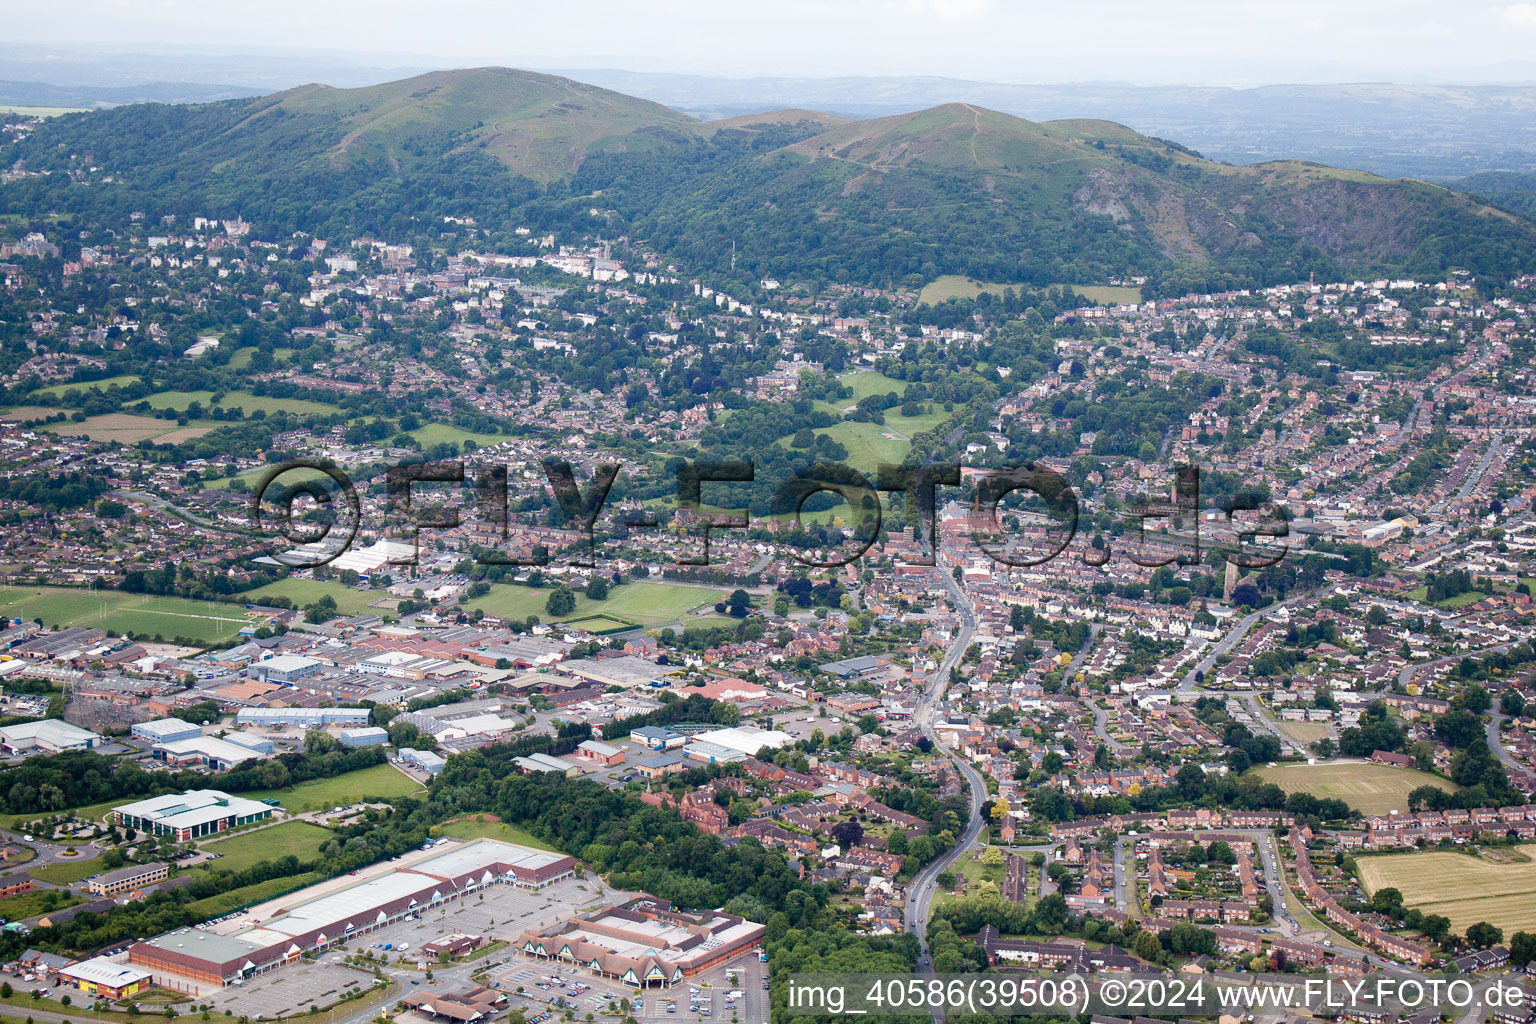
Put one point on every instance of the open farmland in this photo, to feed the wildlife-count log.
(137, 614)
(1368, 788)
(1463, 888)
(126, 428)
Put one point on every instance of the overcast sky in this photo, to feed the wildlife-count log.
(1143, 41)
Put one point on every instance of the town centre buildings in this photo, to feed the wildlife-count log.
(323, 921)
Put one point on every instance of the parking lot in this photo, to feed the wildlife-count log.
(496, 912)
(289, 989)
(702, 999)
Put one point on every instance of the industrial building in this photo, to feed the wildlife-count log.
(165, 730)
(423, 759)
(745, 739)
(220, 754)
(48, 736)
(190, 815)
(309, 718)
(371, 736)
(602, 753)
(346, 914)
(286, 668)
(537, 762)
(644, 942)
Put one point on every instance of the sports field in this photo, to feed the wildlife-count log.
(646, 604)
(1463, 888)
(382, 781)
(1368, 788)
(142, 614)
(238, 852)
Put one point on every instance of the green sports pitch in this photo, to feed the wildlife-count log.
(140, 615)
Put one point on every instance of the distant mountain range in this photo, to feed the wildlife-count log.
(954, 188)
(1421, 131)
(42, 94)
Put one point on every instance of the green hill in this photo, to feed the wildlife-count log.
(955, 189)
(541, 126)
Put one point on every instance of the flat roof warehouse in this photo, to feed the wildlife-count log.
(335, 917)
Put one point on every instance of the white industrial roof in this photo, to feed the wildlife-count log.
(287, 662)
(166, 727)
(746, 740)
(210, 746)
(49, 730)
(194, 807)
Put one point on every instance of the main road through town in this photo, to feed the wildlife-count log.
(920, 893)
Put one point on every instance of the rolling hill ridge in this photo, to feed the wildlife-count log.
(955, 188)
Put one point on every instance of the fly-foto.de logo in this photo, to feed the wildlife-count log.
(1042, 524)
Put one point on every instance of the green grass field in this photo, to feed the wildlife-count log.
(957, 286)
(382, 781)
(58, 390)
(1111, 293)
(198, 621)
(648, 604)
(303, 592)
(440, 433)
(469, 828)
(250, 403)
(1369, 788)
(238, 852)
(865, 383)
(250, 476)
(65, 872)
(870, 444)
